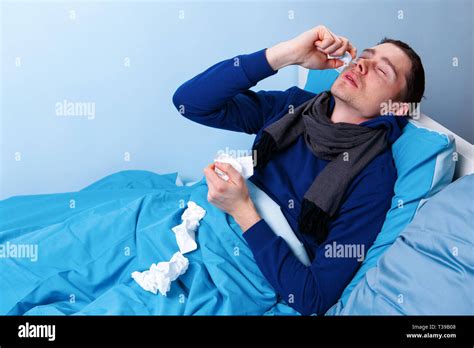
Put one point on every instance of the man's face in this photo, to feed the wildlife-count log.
(379, 74)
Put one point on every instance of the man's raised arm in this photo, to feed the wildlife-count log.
(220, 97)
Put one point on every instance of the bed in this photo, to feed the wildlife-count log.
(75, 252)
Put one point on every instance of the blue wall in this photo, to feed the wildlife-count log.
(48, 57)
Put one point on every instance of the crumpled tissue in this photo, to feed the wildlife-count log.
(243, 164)
(160, 276)
(186, 231)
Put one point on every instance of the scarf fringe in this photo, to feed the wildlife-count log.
(314, 221)
(264, 150)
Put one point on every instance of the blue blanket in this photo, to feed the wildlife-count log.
(89, 242)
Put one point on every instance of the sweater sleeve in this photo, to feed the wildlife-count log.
(315, 288)
(220, 97)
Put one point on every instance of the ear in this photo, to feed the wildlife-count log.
(399, 109)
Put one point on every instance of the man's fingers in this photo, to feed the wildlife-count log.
(332, 50)
(213, 180)
(325, 43)
(324, 38)
(334, 45)
(352, 50)
(342, 49)
(334, 63)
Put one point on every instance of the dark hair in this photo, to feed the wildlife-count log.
(416, 77)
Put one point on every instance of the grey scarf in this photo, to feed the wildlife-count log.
(349, 147)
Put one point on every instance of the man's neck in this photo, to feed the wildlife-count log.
(344, 113)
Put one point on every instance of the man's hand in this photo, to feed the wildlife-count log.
(231, 196)
(310, 50)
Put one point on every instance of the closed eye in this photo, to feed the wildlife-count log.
(378, 68)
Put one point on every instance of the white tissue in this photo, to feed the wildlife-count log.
(185, 232)
(244, 165)
(346, 58)
(160, 276)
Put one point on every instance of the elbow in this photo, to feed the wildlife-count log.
(311, 300)
(178, 100)
(185, 102)
(191, 106)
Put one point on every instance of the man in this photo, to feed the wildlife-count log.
(329, 200)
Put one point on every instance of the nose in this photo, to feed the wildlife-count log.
(361, 66)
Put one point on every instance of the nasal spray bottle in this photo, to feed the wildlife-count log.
(346, 58)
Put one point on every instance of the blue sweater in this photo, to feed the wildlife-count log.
(220, 97)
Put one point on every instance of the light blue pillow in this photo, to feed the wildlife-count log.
(429, 269)
(320, 80)
(424, 162)
(425, 165)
